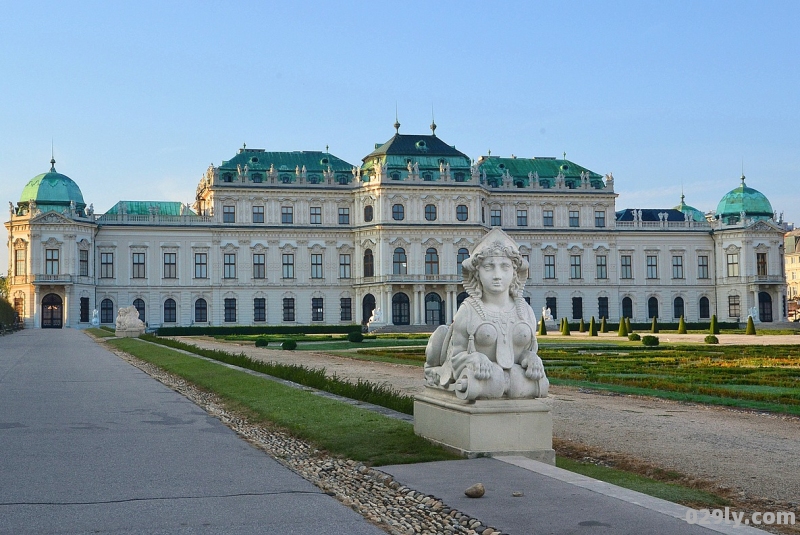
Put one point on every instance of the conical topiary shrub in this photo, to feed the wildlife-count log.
(623, 328)
(582, 326)
(603, 327)
(681, 326)
(565, 331)
(751, 327)
(542, 328)
(654, 326)
(713, 328)
(628, 325)
(592, 327)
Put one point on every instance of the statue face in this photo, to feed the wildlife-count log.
(496, 274)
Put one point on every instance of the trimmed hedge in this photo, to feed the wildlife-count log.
(262, 342)
(289, 345)
(650, 341)
(711, 339)
(633, 337)
(355, 336)
(258, 329)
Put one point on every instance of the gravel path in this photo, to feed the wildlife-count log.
(754, 454)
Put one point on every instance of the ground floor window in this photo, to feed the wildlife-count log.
(627, 307)
(652, 307)
(401, 309)
(734, 306)
(106, 311)
(200, 311)
(552, 304)
(602, 307)
(577, 308)
(288, 309)
(138, 304)
(230, 310)
(84, 309)
(171, 311)
(317, 309)
(705, 309)
(259, 309)
(345, 309)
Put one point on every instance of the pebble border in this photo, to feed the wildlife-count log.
(373, 494)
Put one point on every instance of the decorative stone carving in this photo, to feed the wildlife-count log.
(128, 323)
(490, 350)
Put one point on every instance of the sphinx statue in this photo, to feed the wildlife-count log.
(490, 349)
(128, 322)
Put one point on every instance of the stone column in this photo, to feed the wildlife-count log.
(386, 300)
(66, 316)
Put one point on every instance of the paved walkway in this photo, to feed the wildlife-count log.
(89, 443)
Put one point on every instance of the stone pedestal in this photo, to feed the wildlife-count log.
(485, 427)
(551, 325)
(127, 333)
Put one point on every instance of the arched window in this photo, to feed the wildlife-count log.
(401, 309)
(434, 309)
(200, 311)
(170, 311)
(430, 212)
(399, 262)
(139, 305)
(652, 308)
(677, 307)
(106, 311)
(705, 309)
(627, 307)
(431, 262)
(368, 213)
(369, 264)
(367, 306)
(463, 254)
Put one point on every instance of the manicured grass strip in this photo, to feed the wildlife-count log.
(100, 333)
(666, 491)
(377, 394)
(330, 425)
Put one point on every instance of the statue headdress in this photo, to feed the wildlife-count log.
(495, 243)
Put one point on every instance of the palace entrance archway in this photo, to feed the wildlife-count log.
(52, 312)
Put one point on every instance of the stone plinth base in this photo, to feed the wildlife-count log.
(551, 325)
(485, 427)
(128, 333)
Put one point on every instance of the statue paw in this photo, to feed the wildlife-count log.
(481, 366)
(534, 368)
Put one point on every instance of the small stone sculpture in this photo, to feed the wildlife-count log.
(128, 322)
(490, 349)
(546, 314)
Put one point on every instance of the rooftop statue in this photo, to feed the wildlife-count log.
(490, 349)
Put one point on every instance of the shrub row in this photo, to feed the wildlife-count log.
(377, 394)
(257, 329)
(674, 326)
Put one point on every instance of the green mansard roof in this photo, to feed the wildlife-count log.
(260, 160)
(415, 146)
(164, 208)
(547, 169)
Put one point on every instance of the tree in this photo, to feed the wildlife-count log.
(713, 328)
(751, 327)
(681, 326)
(623, 328)
(654, 326)
(582, 326)
(4, 287)
(628, 325)
(565, 330)
(592, 327)
(542, 328)
(603, 327)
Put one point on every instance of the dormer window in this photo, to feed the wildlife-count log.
(343, 180)
(421, 145)
(227, 177)
(257, 177)
(427, 177)
(395, 175)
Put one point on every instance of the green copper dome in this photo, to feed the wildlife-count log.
(743, 199)
(694, 213)
(52, 191)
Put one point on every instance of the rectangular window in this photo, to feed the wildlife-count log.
(574, 218)
(200, 265)
(575, 266)
(170, 265)
(288, 266)
(316, 309)
(51, 262)
(316, 266)
(547, 218)
(626, 267)
(522, 218)
(258, 214)
(599, 219)
(602, 307)
(20, 261)
(170, 311)
(733, 265)
(230, 310)
(106, 265)
(346, 309)
(549, 266)
(85, 308)
(497, 217)
(577, 308)
(139, 270)
(315, 215)
(259, 266)
(259, 309)
(287, 215)
(344, 216)
(602, 267)
(229, 266)
(761, 264)
(288, 309)
(702, 267)
(652, 267)
(83, 268)
(229, 214)
(344, 266)
(552, 303)
(734, 306)
(677, 267)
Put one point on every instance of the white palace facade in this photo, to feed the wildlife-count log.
(307, 238)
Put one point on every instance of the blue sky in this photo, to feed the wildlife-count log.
(139, 98)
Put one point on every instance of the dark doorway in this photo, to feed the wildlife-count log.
(401, 309)
(367, 306)
(52, 312)
(765, 307)
(434, 311)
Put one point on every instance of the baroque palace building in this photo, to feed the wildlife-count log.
(305, 238)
